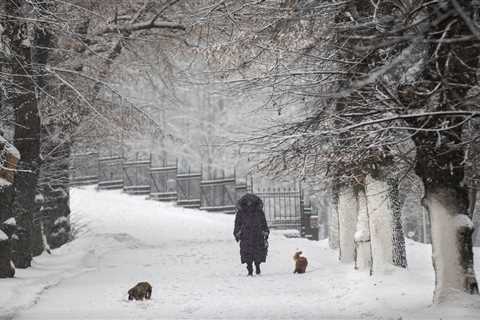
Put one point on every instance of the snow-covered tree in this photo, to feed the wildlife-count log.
(60, 57)
(397, 73)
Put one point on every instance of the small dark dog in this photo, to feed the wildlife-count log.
(300, 263)
(143, 290)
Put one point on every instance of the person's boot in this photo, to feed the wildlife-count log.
(257, 268)
(250, 269)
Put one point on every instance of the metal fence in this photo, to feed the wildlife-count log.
(163, 183)
(283, 207)
(110, 172)
(136, 177)
(188, 190)
(84, 169)
(218, 195)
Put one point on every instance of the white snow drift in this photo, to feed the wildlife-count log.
(192, 262)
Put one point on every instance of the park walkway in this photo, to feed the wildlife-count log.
(192, 262)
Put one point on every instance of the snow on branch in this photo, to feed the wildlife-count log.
(141, 26)
(456, 113)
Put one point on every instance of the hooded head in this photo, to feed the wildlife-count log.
(250, 202)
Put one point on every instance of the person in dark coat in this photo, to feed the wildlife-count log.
(252, 231)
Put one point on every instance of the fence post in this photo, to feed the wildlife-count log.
(303, 224)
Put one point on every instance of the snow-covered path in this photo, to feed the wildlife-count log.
(192, 262)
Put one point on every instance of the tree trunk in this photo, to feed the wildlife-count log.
(6, 268)
(41, 44)
(446, 199)
(347, 221)
(399, 253)
(27, 130)
(386, 231)
(53, 217)
(381, 222)
(363, 249)
(333, 220)
(451, 242)
(474, 181)
(440, 151)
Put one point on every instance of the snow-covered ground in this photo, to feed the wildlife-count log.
(192, 262)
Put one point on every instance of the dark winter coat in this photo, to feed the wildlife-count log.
(251, 229)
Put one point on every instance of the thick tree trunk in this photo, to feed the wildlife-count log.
(333, 220)
(473, 174)
(347, 221)
(441, 152)
(53, 216)
(6, 268)
(446, 199)
(381, 222)
(27, 130)
(386, 231)
(451, 242)
(363, 249)
(399, 253)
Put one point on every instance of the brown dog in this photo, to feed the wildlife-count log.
(143, 290)
(300, 263)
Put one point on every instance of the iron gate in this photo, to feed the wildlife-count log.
(283, 207)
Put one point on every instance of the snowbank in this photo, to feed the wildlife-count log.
(192, 262)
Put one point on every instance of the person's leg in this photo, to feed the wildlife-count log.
(250, 268)
(257, 268)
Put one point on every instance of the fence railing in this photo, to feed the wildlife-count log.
(284, 207)
(163, 183)
(84, 169)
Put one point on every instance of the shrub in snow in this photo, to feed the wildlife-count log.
(55, 211)
(59, 233)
